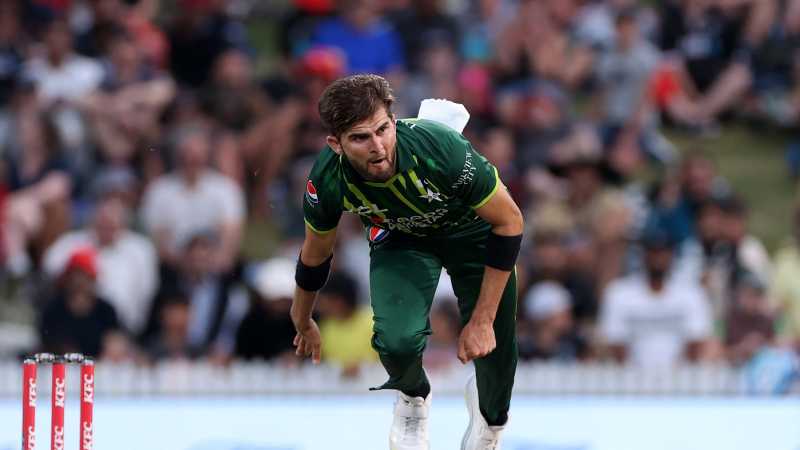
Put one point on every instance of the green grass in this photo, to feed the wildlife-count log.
(753, 161)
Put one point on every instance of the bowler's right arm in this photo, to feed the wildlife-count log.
(316, 251)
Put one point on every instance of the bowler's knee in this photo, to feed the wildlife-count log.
(399, 345)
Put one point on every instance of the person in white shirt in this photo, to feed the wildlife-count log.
(127, 261)
(194, 199)
(655, 320)
(60, 74)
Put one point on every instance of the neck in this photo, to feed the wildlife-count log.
(56, 59)
(656, 282)
(191, 178)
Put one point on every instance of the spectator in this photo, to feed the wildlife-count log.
(127, 263)
(623, 74)
(548, 54)
(749, 325)
(712, 40)
(548, 330)
(233, 97)
(700, 182)
(370, 44)
(124, 114)
(785, 286)
(420, 25)
(549, 263)
(192, 199)
(750, 255)
(36, 210)
(441, 66)
(729, 253)
(774, 74)
(345, 326)
(655, 320)
(77, 320)
(217, 301)
(198, 35)
(107, 18)
(171, 342)
(600, 212)
(11, 50)
(139, 22)
(61, 75)
(267, 331)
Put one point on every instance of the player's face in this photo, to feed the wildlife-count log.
(369, 146)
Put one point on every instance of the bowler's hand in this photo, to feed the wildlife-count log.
(476, 341)
(308, 340)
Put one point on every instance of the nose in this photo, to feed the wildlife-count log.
(377, 144)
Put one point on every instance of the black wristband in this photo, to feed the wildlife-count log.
(502, 251)
(312, 278)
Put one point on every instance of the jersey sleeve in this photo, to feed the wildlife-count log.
(322, 205)
(471, 177)
(484, 182)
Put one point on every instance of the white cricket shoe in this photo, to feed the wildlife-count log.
(410, 425)
(479, 435)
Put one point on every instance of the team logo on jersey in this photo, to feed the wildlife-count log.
(431, 196)
(311, 193)
(377, 234)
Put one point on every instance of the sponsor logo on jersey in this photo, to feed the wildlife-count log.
(311, 193)
(467, 173)
(377, 234)
(407, 224)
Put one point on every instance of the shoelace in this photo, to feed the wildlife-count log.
(488, 443)
(411, 426)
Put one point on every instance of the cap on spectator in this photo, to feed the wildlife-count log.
(552, 218)
(273, 279)
(83, 259)
(582, 149)
(314, 6)
(732, 205)
(546, 299)
(327, 63)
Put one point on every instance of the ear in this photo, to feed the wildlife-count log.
(334, 144)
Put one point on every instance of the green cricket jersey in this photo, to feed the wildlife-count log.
(439, 183)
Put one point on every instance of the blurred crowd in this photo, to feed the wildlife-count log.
(154, 164)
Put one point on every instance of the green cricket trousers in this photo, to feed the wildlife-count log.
(404, 273)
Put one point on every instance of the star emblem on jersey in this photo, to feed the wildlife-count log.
(430, 196)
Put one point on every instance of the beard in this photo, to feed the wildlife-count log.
(375, 172)
(657, 273)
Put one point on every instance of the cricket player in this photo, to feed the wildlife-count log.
(428, 201)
